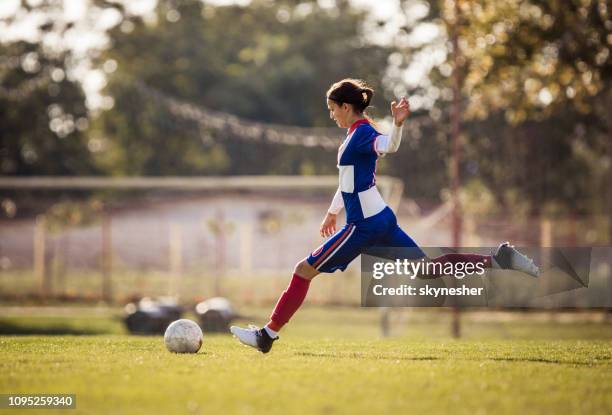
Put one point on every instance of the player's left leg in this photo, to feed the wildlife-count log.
(505, 256)
(396, 237)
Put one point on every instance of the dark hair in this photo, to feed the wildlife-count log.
(351, 91)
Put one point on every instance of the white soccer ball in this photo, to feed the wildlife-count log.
(183, 336)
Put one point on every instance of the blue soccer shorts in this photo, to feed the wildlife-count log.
(345, 245)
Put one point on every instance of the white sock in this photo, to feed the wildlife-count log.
(271, 332)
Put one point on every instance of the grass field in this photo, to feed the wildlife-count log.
(328, 361)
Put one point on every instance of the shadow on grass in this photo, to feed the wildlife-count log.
(432, 358)
(365, 356)
(9, 328)
(541, 360)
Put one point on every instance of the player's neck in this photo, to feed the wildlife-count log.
(355, 122)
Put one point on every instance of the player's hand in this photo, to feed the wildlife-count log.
(328, 226)
(400, 111)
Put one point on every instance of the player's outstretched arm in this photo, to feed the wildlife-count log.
(390, 143)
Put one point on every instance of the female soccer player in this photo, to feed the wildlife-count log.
(370, 222)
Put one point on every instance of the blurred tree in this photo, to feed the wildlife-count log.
(536, 87)
(270, 62)
(42, 114)
(531, 58)
(545, 67)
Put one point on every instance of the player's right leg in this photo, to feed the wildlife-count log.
(335, 254)
(290, 300)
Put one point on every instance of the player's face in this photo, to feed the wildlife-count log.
(339, 113)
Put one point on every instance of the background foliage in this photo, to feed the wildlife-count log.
(535, 75)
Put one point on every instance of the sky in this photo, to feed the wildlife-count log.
(90, 26)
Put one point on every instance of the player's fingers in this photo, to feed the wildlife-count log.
(325, 232)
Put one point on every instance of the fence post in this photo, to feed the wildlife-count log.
(246, 248)
(57, 268)
(40, 234)
(546, 234)
(546, 242)
(384, 322)
(176, 259)
(220, 257)
(472, 239)
(107, 258)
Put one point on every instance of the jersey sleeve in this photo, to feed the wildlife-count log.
(337, 203)
(389, 143)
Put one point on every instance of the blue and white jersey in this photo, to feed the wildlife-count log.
(357, 157)
(369, 221)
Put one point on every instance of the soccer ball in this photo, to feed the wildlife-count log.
(183, 336)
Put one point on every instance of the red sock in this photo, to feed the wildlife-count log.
(289, 302)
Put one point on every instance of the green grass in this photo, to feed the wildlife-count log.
(329, 361)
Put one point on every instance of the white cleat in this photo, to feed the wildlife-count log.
(246, 336)
(508, 257)
(254, 336)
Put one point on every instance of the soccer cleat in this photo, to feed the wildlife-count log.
(508, 257)
(254, 337)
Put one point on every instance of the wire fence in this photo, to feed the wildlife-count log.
(241, 244)
(187, 237)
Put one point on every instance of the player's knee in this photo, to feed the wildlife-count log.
(305, 270)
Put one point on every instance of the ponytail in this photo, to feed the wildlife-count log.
(366, 94)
